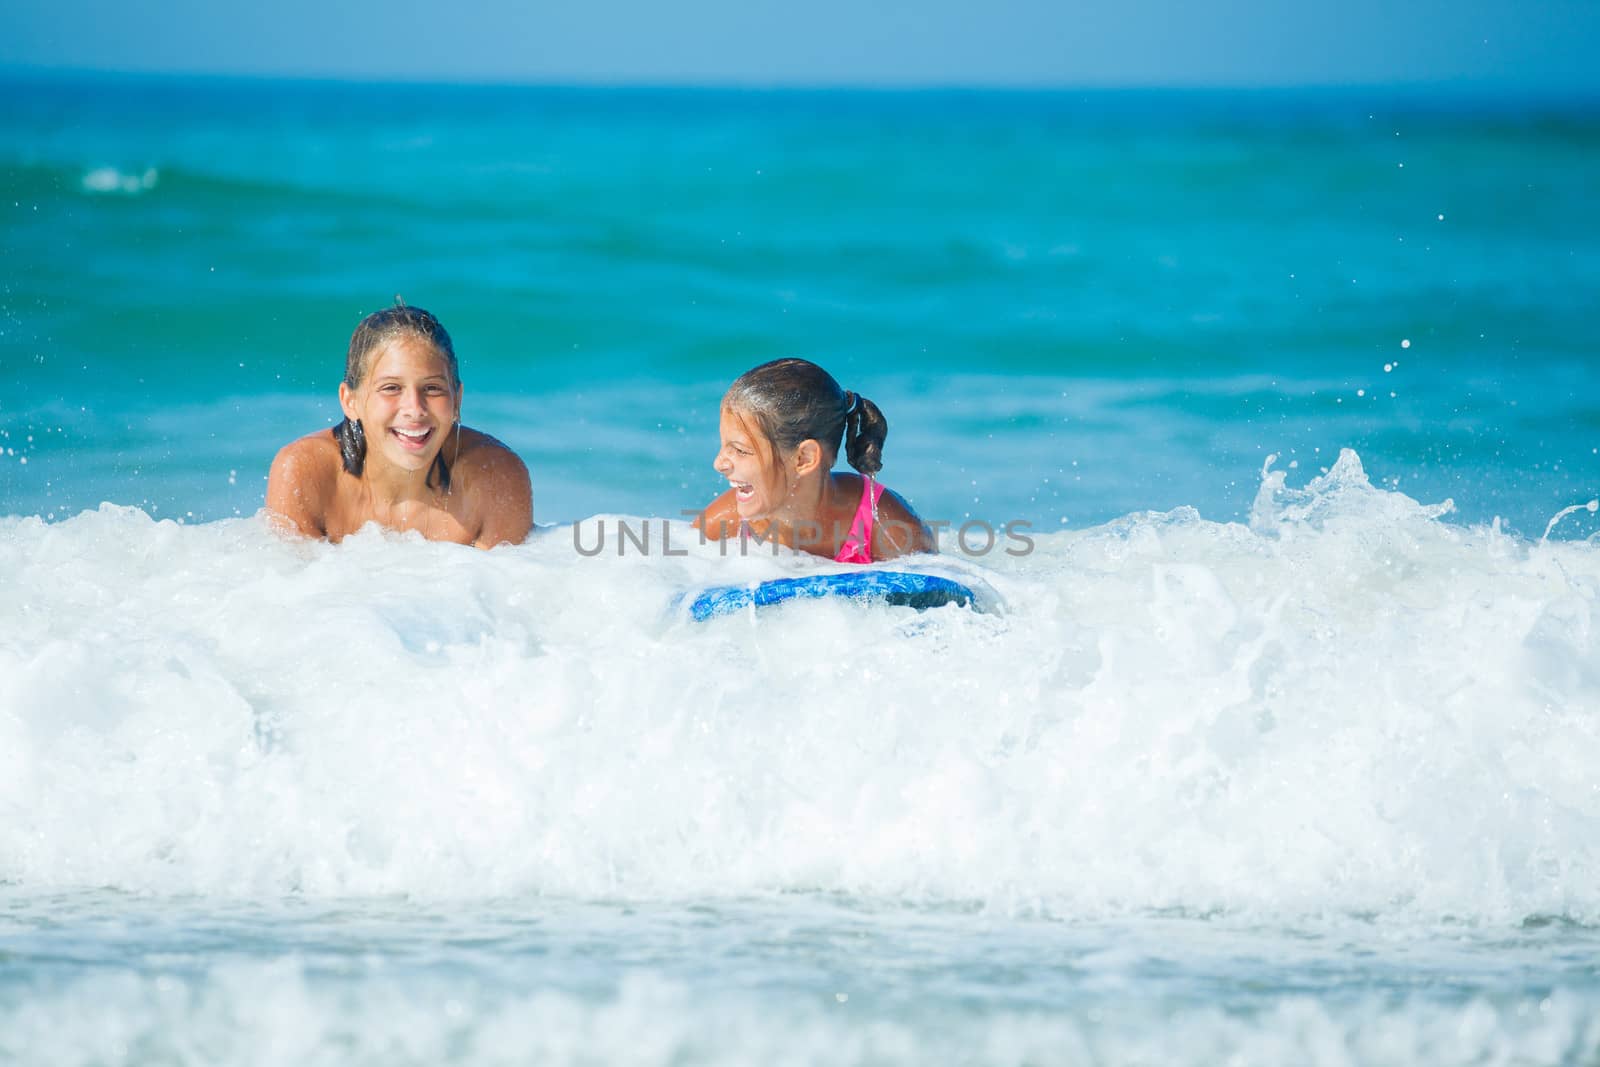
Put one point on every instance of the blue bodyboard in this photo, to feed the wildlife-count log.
(899, 588)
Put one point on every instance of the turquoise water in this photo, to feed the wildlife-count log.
(1277, 747)
(1137, 296)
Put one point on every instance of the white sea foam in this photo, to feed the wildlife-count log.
(279, 1013)
(1350, 706)
(103, 180)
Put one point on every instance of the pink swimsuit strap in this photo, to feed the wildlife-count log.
(857, 547)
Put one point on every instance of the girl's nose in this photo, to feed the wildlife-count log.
(722, 464)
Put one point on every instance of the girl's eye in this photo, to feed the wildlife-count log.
(389, 390)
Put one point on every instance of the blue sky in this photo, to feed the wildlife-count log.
(1526, 44)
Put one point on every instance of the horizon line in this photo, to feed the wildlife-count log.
(1477, 86)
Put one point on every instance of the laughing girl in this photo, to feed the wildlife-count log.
(782, 427)
(401, 457)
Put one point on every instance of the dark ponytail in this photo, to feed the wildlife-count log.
(794, 400)
(865, 430)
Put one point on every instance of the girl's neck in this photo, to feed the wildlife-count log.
(811, 498)
(392, 485)
(813, 512)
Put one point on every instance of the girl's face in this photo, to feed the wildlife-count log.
(746, 459)
(406, 405)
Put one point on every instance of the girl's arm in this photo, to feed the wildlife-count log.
(720, 519)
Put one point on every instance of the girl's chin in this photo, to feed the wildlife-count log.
(408, 460)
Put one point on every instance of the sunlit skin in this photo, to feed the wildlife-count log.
(410, 411)
(797, 498)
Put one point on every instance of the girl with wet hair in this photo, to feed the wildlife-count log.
(401, 458)
(783, 424)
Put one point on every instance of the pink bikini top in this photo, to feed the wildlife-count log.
(857, 547)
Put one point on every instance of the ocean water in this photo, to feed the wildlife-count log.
(1275, 741)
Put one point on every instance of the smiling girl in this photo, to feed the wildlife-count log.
(782, 427)
(401, 457)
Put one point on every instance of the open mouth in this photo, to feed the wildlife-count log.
(413, 440)
(742, 491)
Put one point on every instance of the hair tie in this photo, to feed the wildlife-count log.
(851, 402)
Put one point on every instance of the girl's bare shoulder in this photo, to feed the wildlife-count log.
(719, 519)
(483, 455)
(900, 530)
(496, 484)
(302, 481)
(318, 447)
